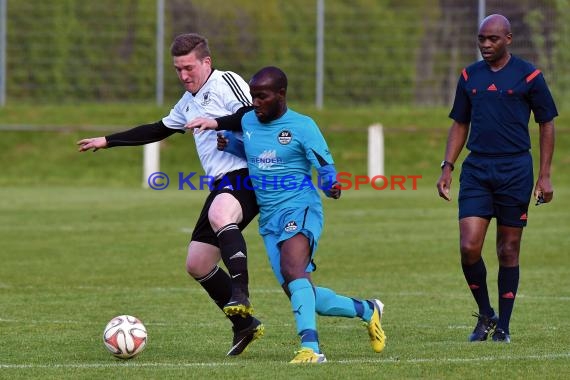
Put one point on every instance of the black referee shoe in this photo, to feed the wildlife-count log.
(484, 326)
(501, 336)
(244, 337)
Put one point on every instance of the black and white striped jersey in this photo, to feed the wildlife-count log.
(223, 93)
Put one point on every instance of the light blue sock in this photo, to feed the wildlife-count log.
(303, 307)
(331, 304)
(368, 310)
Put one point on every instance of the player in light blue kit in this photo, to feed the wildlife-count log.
(281, 146)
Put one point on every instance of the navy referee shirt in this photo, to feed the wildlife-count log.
(498, 105)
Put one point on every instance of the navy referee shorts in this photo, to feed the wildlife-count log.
(499, 187)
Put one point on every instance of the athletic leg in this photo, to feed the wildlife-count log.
(515, 184)
(224, 215)
(472, 231)
(329, 303)
(295, 256)
(508, 250)
(202, 265)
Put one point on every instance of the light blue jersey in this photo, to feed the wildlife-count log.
(280, 155)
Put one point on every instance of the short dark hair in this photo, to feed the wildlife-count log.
(275, 77)
(190, 42)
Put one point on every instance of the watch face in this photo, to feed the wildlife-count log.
(443, 163)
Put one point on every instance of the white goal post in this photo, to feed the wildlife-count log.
(375, 150)
(151, 161)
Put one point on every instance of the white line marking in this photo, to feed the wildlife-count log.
(273, 290)
(62, 322)
(118, 365)
(563, 355)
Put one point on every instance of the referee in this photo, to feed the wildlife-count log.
(491, 111)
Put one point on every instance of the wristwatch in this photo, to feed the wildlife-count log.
(444, 162)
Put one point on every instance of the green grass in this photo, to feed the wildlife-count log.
(73, 258)
(82, 242)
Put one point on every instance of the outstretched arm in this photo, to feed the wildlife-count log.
(228, 123)
(143, 134)
(94, 143)
(455, 141)
(201, 124)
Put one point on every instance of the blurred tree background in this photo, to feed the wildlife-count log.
(376, 52)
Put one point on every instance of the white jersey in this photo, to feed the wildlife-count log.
(223, 94)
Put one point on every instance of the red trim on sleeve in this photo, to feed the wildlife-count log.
(465, 76)
(533, 75)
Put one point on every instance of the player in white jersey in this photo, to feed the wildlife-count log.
(227, 210)
(281, 147)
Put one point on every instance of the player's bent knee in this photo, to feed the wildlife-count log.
(193, 268)
(199, 264)
(225, 209)
(470, 249)
(197, 269)
(508, 255)
(293, 273)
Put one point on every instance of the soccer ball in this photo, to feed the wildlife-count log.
(125, 336)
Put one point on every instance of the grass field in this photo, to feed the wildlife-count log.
(82, 242)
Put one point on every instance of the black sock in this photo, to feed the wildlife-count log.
(234, 255)
(508, 283)
(476, 276)
(218, 285)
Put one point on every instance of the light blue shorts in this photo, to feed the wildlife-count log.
(285, 224)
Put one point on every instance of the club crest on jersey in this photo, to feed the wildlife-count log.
(206, 99)
(291, 226)
(284, 137)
